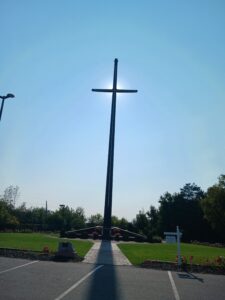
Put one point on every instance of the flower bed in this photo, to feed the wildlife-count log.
(33, 255)
(173, 266)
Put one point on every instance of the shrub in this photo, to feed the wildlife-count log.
(156, 239)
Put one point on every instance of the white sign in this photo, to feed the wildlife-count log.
(172, 233)
(171, 239)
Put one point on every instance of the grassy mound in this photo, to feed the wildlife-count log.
(37, 241)
(138, 253)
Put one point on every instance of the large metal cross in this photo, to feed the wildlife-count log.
(109, 178)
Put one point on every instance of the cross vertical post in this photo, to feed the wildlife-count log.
(109, 177)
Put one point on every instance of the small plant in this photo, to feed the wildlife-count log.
(220, 261)
(45, 249)
(156, 239)
(184, 260)
(217, 262)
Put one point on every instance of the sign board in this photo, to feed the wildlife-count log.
(172, 233)
(174, 237)
(171, 239)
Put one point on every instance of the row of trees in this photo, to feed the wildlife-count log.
(14, 217)
(200, 215)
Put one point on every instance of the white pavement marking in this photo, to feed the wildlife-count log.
(77, 283)
(176, 295)
(24, 265)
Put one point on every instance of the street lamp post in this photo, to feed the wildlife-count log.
(62, 207)
(3, 101)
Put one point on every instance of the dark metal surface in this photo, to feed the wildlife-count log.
(109, 177)
(3, 101)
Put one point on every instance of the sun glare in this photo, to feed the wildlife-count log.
(120, 85)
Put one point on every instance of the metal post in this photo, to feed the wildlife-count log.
(178, 247)
(109, 177)
(62, 233)
(3, 101)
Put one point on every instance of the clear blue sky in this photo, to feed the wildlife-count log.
(54, 134)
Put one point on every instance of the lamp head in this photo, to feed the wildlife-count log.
(10, 96)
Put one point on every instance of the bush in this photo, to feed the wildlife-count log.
(156, 239)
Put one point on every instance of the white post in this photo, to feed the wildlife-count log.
(178, 246)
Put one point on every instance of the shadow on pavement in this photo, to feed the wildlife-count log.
(190, 276)
(104, 282)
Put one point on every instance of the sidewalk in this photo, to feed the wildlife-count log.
(106, 253)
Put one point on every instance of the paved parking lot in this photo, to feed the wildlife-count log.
(24, 279)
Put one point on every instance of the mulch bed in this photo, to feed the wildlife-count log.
(151, 264)
(35, 255)
(172, 266)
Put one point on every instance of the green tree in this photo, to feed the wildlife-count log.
(183, 209)
(23, 214)
(153, 216)
(79, 219)
(124, 224)
(121, 223)
(95, 220)
(7, 220)
(214, 206)
(141, 223)
(11, 194)
(192, 192)
(167, 213)
(55, 221)
(115, 221)
(39, 218)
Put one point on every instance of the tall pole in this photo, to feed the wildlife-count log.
(109, 177)
(2, 105)
(178, 247)
(62, 207)
(3, 101)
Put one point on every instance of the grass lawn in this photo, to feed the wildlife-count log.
(137, 253)
(36, 241)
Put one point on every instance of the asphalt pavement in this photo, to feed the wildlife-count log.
(24, 279)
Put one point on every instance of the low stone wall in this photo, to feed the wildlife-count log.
(33, 255)
(172, 266)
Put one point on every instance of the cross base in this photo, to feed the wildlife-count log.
(106, 233)
(111, 233)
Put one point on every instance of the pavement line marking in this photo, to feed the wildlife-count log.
(175, 292)
(24, 265)
(77, 283)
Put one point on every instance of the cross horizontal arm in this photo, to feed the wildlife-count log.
(112, 90)
(103, 90)
(126, 91)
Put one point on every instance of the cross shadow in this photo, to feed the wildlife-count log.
(104, 281)
(188, 275)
